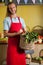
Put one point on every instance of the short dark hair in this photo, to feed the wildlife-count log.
(8, 12)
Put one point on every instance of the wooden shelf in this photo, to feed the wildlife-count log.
(39, 43)
(37, 61)
(3, 42)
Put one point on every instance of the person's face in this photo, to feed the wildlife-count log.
(12, 8)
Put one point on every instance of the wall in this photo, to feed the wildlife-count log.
(32, 14)
(2, 16)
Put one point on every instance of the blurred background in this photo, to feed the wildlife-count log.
(32, 13)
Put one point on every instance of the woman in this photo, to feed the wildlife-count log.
(13, 27)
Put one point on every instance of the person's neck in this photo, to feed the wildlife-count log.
(13, 15)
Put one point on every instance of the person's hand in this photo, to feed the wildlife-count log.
(20, 31)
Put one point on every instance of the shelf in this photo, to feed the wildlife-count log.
(3, 41)
(39, 43)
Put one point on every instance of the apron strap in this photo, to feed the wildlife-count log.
(18, 19)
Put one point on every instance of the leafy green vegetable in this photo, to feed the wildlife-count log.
(30, 36)
(37, 58)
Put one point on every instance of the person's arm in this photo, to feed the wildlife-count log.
(7, 34)
(24, 29)
(23, 25)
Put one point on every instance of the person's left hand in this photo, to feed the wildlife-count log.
(20, 31)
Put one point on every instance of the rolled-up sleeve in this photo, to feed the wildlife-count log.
(5, 25)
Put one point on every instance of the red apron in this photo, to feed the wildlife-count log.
(15, 55)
